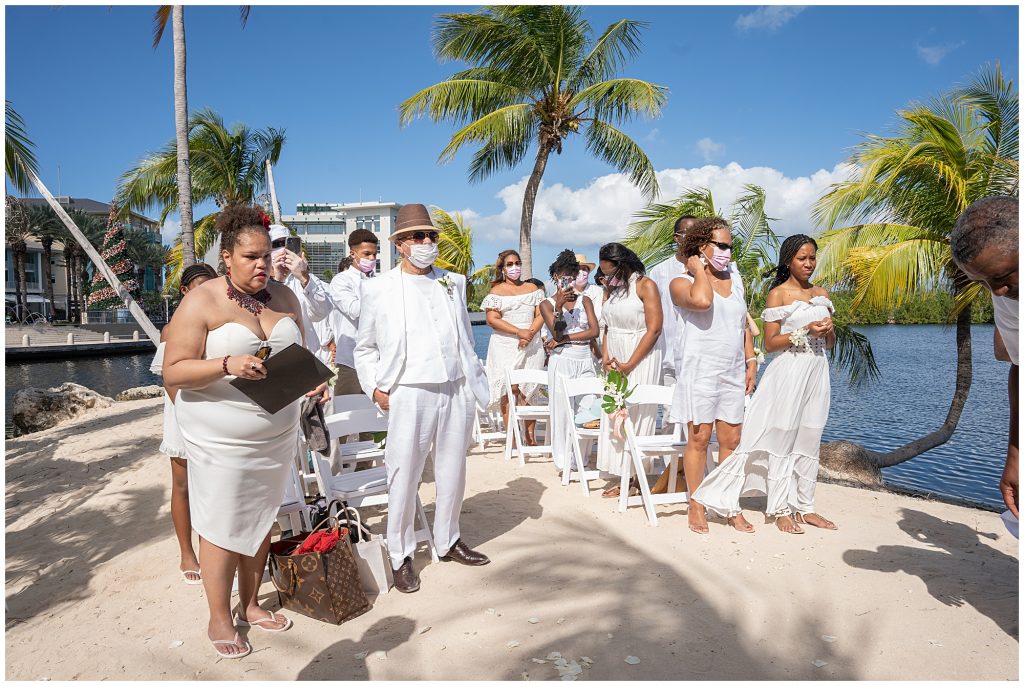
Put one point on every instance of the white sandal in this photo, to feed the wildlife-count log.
(258, 623)
(191, 582)
(234, 642)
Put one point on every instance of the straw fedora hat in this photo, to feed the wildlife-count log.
(584, 262)
(411, 218)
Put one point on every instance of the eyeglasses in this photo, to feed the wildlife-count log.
(721, 246)
(420, 235)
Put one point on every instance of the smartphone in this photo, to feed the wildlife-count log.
(293, 243)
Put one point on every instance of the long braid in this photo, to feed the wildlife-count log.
(787, 252)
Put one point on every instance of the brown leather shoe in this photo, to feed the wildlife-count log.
(463, 554)
(406, 580)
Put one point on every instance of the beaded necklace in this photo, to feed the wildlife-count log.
(250, 302)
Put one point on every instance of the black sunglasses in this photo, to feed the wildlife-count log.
(721, 246)
(420, 235)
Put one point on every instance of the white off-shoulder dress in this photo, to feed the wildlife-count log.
(503, 350)
(781, 439)
(239, 454)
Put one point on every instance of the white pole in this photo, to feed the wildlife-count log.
(109, 275)
(273, 194)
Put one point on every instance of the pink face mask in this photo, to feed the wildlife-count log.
(582, 278)
(365, 265)
(514, 272)
(720, 259)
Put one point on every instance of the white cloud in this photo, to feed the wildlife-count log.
(936, 53)
(771, 17)
(652, 136)
(170, 230)
(601, 211)
(709, 149)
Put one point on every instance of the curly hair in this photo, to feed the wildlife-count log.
(499, 266)
(699, 235)
(787, 252)
(565, 263)
(625, 260)
(235, 220)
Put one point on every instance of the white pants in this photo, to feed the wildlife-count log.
(421, 416)
(566, 362)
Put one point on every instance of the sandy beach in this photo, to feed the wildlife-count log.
(906, 589)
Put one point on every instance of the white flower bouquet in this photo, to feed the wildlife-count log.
(798, 338)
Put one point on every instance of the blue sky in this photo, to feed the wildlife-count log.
(774, 96)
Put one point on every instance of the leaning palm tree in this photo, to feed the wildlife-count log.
(455, 247)
(46, 227)
(538, 77)
(183, 175)
(228, 167)
(19, 156)
(887, 228)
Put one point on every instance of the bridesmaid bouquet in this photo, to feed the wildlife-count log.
(613, 402)
(798, 338)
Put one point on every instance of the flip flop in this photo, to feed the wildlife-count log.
(191, 582)
(234, 641)
(258, 623)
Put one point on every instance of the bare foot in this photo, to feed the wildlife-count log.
(787, 525)
(696, 518)
(661, 485)
(816, 520)
(740, 524)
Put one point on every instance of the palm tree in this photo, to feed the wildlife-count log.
(755, 246)
(455, 247)
(538, 77)
(75, 258)
(228, 167)
(46, 227)
(19, 156)
(888, 226)
(183, 173)
(16, 235)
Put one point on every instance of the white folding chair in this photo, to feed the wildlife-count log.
(346, 455)
(368, 486)
(519, 414)
(582, 440)
(294, 509)
(490, 431)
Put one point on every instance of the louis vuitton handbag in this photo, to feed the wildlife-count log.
(321, 585)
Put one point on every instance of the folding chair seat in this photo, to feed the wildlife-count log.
(519, 414)
(488, 428)
(294, 509)
(345, 455)
(581, 440)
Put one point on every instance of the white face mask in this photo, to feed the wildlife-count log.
(423, 255)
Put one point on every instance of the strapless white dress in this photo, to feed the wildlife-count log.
(239, 455)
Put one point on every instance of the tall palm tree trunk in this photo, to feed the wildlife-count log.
(964, 375)
(529, 201)
(21, 288)
(181, 134)
(83, 303)
(47, 244)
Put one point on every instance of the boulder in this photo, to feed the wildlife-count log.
(849, 463)
(36, 409)
(140, 393)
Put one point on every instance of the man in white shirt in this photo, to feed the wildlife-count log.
(414, 356)
(346, 292)
(292, 270)
(662, 274)
(984, 246)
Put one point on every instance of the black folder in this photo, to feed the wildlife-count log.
(291, 374)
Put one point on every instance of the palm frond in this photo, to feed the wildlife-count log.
(488, 38)
(19, 156)
(887, 275)
(608, 143)
(161, 16)
(491, 158)
(621, 99)
(852, 353)
(458, 100)
(619, 43)
(650, 235)
(504, 126)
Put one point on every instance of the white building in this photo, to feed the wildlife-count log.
(324, 229)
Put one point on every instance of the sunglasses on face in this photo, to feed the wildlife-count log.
(513, 264)
(721, 246)
(420, 235)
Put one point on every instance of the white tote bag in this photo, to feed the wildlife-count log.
(371, 556)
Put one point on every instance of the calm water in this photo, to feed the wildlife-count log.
(917, 362)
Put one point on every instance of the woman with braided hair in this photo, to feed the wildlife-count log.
(778, 452)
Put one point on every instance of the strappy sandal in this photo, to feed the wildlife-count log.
(616, 491)
(191, 582)
(748, 529)
(258, 623)
(234, 642)
(828, 525)
(796, 527)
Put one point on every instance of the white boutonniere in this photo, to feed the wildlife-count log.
(798, 338)
(448, 285)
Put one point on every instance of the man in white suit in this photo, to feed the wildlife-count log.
(414, 357)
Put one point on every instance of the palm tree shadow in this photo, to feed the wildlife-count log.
(951, 569)
(344, 661)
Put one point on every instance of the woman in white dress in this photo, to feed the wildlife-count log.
(239, 455)
(631, 320)
(717, 366)
(778, 453)
(571, 326)
(173, 445)
(512, 311)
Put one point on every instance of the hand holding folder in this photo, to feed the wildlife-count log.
(291, 374)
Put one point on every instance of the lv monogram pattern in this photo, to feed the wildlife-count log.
(324, 586)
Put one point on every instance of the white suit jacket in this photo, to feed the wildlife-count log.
(381, 338)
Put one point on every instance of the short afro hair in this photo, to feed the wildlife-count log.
(565, 263)
(360, 236)
(986, 221)
(235, 220)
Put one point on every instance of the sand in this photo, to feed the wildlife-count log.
(906, 589)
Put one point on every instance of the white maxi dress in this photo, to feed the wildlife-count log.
(503, 350)
(623, 316)
(778, 450)
(711, 374)
(172, 445)
(568, 361)
(239, 455)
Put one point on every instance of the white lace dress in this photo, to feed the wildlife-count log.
(623, 315)
(781, 439)
(503, 349)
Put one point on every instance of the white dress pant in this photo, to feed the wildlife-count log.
(421, 416)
